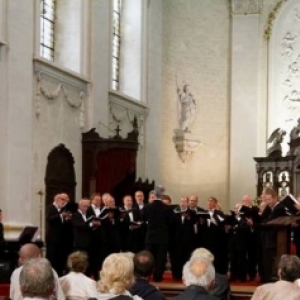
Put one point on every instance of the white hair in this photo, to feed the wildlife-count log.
(204, 278)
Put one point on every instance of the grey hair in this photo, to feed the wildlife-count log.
(159, 191)
(204, 279)
(37, 279)
(289, 267)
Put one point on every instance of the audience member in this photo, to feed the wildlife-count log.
(221, 288)
(198, 276)
(116, 277)
(37, 279)
(76, 284)
(285, 288)
(143, 268)
(26, 253)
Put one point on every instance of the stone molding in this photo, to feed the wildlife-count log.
(271, 18)
(246, 7)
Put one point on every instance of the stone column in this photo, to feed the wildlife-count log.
(244, 97)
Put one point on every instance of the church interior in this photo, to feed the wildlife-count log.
(201, 97)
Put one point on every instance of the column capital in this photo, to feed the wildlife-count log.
(245, 7)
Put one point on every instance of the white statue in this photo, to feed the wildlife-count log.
(186, 107)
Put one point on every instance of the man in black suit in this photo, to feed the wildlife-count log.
(82, 229)
(158, 216)
(131, 226)
(55, 234)
(268, 236)
(97, 252)
(184, 221)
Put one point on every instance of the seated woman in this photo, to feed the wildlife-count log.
(76, 285)
(116, 277)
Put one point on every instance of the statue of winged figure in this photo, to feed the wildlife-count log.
(276, 139)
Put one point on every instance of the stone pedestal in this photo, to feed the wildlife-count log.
(185, 143)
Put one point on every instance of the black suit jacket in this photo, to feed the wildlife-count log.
(55, 226)
(82, 232)
(194, 292)
(158, 216)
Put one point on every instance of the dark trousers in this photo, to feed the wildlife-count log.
(159, 253)
(252, 255)
(56, 256)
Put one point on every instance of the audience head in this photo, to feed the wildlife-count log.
(37, 279)
(199, 271)
(151, 196)
(77, 262)
(139, 197)
(116, 274)
(127, 201)
(271, 197)
(166, 199)
(59, 201)
(84, 204)
(96, 199)
(193, 201)
(159, 191)
(143, 264)
(289, 268)
(247, 200)
(27, 252)
(203, 253)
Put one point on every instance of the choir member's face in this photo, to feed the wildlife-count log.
(263, 196)
(237, 207)
(0, 216)
(127, 201)
(152, 197)
(166, 201)
(246, 201)
(193, 201)
(139, 197)
(270, 200)
(65, 197)
(97, 200)
(211, 203)
(60, 202)
(111, 202)
(184, 201)
(84, 205)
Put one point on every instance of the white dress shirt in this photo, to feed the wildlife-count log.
(78, 285)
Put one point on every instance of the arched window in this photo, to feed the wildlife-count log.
(116, 43)
(47, 23)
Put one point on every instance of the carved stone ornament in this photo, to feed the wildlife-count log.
(185, 143)
(271, 18)
(246, 7)
(53, 95)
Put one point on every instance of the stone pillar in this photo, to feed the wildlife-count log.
(16, 94)
(244, 97)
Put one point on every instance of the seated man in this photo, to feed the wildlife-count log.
(221, 288)
(28, 252)
(285, 288)
(37, 279)
(198, 276)
(143, 268)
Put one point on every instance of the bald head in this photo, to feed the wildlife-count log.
(27, 252)
(246, 200)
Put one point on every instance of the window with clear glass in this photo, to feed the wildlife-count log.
(116, 43)
(47, 23)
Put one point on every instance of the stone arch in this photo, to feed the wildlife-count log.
(60, 174)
